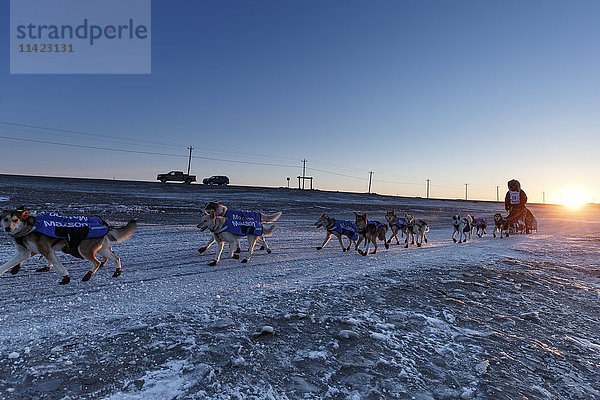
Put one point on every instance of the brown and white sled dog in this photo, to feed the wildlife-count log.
(396, 225)
(329, 224)
(416, 228)
(19, 225)
(220, 210)
(500, 225)
(369, 231)
(215, 224)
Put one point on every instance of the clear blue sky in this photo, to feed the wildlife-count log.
(453, 91)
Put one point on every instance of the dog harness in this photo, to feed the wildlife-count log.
(56, 226)
(377, 224)
(242, 223)
(468, 225)
(401, 223)
(346, 228)
(74, 229)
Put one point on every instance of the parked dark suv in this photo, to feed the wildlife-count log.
(216, 180)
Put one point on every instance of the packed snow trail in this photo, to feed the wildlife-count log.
(487, 319)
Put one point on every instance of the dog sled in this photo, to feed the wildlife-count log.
(523, 222)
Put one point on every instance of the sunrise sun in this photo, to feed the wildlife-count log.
(574, 198)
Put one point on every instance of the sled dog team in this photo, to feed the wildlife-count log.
(370, 231)
(86, 237)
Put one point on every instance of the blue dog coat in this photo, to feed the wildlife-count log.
(243, 223)
(480, 223)
(377, 224)
(401, 222)
(56, 226)
(346, 228)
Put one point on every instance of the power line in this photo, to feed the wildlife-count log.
(335, 173)
(134, 141)
(32, 129)
(396, 182)
(85, 133)
(154, 153)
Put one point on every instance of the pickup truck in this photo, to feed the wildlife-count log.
(176, 176)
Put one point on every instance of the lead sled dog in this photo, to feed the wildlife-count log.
(30, 240)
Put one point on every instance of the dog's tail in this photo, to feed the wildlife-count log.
(267, 231)
(123, 232)
(270, 217)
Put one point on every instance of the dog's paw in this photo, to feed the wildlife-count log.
(117, 273)
(238, 250)
(454, 240)
(425, 240)
(15, 270)
(387, 246)
(262, 247)
(319, 248)
(245, 260)
(236, 257)
(65, 280)
(43, 269)
(374, 252)
(202, 249)
(406, 247)
(87, 276)
(213, 263)
(269, 251)
(419, 245)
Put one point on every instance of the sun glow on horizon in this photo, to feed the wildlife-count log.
(574, 198)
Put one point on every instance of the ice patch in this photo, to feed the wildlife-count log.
(167, 383)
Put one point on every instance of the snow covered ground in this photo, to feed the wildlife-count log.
(514, 318)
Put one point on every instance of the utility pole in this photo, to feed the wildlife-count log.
(190, 159)
(466, 191)
(370, 178)
(427, 180)
(497, 193)
(543, 197)
(303, 172)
